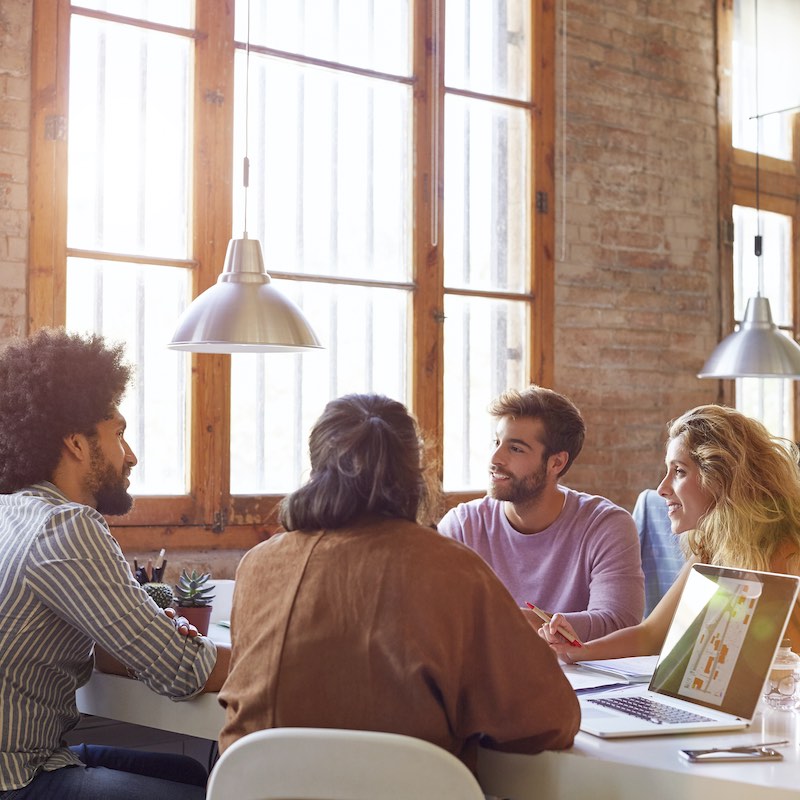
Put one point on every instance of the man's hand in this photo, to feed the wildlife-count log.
(184, 626)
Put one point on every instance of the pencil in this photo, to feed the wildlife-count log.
(547, 617)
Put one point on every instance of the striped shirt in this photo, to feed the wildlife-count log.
(64, 585)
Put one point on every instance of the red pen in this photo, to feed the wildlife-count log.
(547, 617)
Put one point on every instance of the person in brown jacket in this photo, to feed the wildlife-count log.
(361, 617)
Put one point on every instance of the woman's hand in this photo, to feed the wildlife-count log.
(558, 633)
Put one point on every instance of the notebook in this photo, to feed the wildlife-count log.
(635, 669)
(716, 656)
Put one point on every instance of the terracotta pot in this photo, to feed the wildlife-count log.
(199, 616)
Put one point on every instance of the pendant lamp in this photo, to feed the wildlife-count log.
(243, 312)
(757, 348)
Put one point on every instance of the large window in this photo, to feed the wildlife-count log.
(398, 185)
(760, 183)
(767, 399)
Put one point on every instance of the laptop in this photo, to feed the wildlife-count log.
(715, 660)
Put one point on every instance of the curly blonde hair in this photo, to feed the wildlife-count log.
(754, 480)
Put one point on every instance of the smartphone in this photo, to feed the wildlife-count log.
(755, 753)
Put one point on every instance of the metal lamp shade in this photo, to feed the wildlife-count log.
(756, 350)
(242, 312)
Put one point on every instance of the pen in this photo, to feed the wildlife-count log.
(158, 571)
(547, 617)
(607, 687)
(746, 747)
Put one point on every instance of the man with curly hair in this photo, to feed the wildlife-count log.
(65, 584)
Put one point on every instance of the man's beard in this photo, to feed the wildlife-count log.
(107, 485)
(521, 490)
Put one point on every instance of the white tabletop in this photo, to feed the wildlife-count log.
(126, 700)
(650, 767)
(596, 769)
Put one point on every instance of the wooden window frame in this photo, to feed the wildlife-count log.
(237, 521)
(778, 191)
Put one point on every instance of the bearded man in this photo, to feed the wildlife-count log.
(552, 546)
(65, 585)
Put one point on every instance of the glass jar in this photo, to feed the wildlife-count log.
(783, 684)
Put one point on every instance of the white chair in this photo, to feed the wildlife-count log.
(336, 764)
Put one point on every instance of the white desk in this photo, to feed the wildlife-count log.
(126, 700)
(595, 769)
(650, 767)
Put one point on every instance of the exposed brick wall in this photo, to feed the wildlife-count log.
(15, 90)
(637, 304)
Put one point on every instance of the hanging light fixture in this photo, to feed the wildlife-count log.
(757, 348)
(242, 312)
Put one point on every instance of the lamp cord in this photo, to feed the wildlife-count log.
(246, 160)
(759, 239)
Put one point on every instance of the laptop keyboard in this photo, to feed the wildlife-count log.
(650, 710)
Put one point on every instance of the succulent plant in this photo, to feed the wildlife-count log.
(192, 591)
(160, 592)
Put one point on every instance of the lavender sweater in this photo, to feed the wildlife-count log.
(586, 564)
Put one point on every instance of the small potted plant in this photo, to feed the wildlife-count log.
(160, 592)
(193, 598)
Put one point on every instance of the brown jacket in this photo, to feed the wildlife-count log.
(389, 626)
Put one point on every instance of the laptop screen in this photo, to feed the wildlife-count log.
(722, 639)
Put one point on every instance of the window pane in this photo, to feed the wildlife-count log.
(175, 12)
(486, 196)
(372, 34)
(330, 170)
(776, 230)
(487, 47)
(128, 140)
(484, 355)
(778, 57)
(277, 397)
(138, 305)
(768, 400)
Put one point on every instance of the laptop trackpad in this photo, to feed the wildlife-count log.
(592, 712)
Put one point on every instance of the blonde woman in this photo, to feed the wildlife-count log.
(733, 491)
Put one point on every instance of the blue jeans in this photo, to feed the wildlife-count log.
(114, 772)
